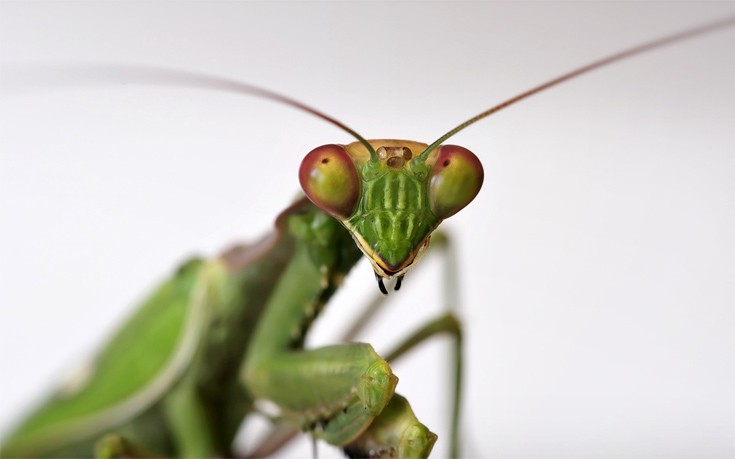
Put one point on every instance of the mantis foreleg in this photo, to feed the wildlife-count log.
(397, 428)
(336, 391)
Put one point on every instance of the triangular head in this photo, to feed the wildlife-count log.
(391, 199)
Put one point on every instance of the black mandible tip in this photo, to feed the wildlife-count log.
(381, 285)
(398, 283)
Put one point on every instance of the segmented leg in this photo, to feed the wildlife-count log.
(395, 433)
(333, 392)
(386, 432)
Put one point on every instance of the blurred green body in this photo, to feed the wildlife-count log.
(180, 376)
(177, 357)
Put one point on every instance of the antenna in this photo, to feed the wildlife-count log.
(667, 40)
(151, 75)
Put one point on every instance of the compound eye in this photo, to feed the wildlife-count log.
(329, 179)
(455, 180)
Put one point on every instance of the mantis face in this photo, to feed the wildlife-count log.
(391, 198)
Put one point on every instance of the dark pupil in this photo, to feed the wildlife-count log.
(446, 162)
(325, 160)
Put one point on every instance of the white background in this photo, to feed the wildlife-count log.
(597, 264)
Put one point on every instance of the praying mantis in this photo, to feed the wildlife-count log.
(372, 287)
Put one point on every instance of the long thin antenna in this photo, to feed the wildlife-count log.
(151, 75)
(728, 22)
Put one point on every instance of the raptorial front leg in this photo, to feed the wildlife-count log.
(333, 392)
(395, 433)
(445, 324)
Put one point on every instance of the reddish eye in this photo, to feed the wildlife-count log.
(329, 179)
(455, 180)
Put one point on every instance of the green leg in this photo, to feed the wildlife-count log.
(335, 392)
(391, 429)
(323, 370)
(189, 422)
(397, 427)
(447, 323)
(395, 433)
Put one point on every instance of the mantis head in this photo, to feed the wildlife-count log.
(388, 198)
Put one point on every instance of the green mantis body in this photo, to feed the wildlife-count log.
(221, 282)
(203, 296)
(171, 383)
